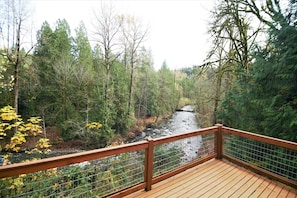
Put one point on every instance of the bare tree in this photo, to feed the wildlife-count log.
(15, 14)
(233, 27)
(270, 10)
(233, 38)
(134, 34)
(107, 28)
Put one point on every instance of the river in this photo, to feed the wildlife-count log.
(181, 122)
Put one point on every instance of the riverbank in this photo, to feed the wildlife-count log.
(137, 128)
(179, 122)
(61, 147)
(58, 144)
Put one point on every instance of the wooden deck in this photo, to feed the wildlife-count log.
(217, 178)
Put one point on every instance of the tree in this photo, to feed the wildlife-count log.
(187, 82)
(145, 85)
(53, 59)
(43, 57)
(230, 55)
(23, 132)
(120, 79)
(276, 72)
(205, 94)
(168, 95)
(64, 82)
(16, 14)
(83, 71)
(107, 27)
(268, 97)
(134, 35)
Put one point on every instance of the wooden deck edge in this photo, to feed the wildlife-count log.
(261, 171)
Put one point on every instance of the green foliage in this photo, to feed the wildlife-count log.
(70, 84)
(47, 60)
(120, 79)
(10, 121)
(188, 87)
(146, 87)
(190, 71)
(264, 100)
(6, 80)
(166, 158)
(95, 178)
(168, 96)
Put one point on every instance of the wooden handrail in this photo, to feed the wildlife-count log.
(172, 138)
(261, 138)
(65, 160)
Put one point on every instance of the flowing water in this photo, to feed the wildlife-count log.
(181, 122)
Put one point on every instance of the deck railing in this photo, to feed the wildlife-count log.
(272, 157)
(124, 169)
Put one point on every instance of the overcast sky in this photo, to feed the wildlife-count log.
(177, 28)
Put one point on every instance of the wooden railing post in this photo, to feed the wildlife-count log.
(219, 142)
(149, 164)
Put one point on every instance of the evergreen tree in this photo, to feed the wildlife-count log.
(84, 73)
(275, 77)
(54, 64)
(265, 102)
(146, 86)
(168, 95)
(120, 79)
(43, 57)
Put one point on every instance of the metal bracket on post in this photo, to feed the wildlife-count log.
(219, 142)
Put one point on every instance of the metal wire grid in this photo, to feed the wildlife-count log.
(207, 145)
(278, 160)
(173, 155)
(89, 179)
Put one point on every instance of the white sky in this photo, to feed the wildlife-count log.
(177, 28)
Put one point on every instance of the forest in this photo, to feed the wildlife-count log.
(96, 92)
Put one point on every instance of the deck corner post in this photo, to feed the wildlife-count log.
(219, 142)
(149, 164)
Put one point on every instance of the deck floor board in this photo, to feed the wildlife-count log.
(217, 178)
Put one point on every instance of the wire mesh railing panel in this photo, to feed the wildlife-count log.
(94, 178)
(173, 155)
(278, 160)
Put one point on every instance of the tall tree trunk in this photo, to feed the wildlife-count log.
(106, 84)
(16, 72)
(217, 98)
(130, 86)
(16, 68)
